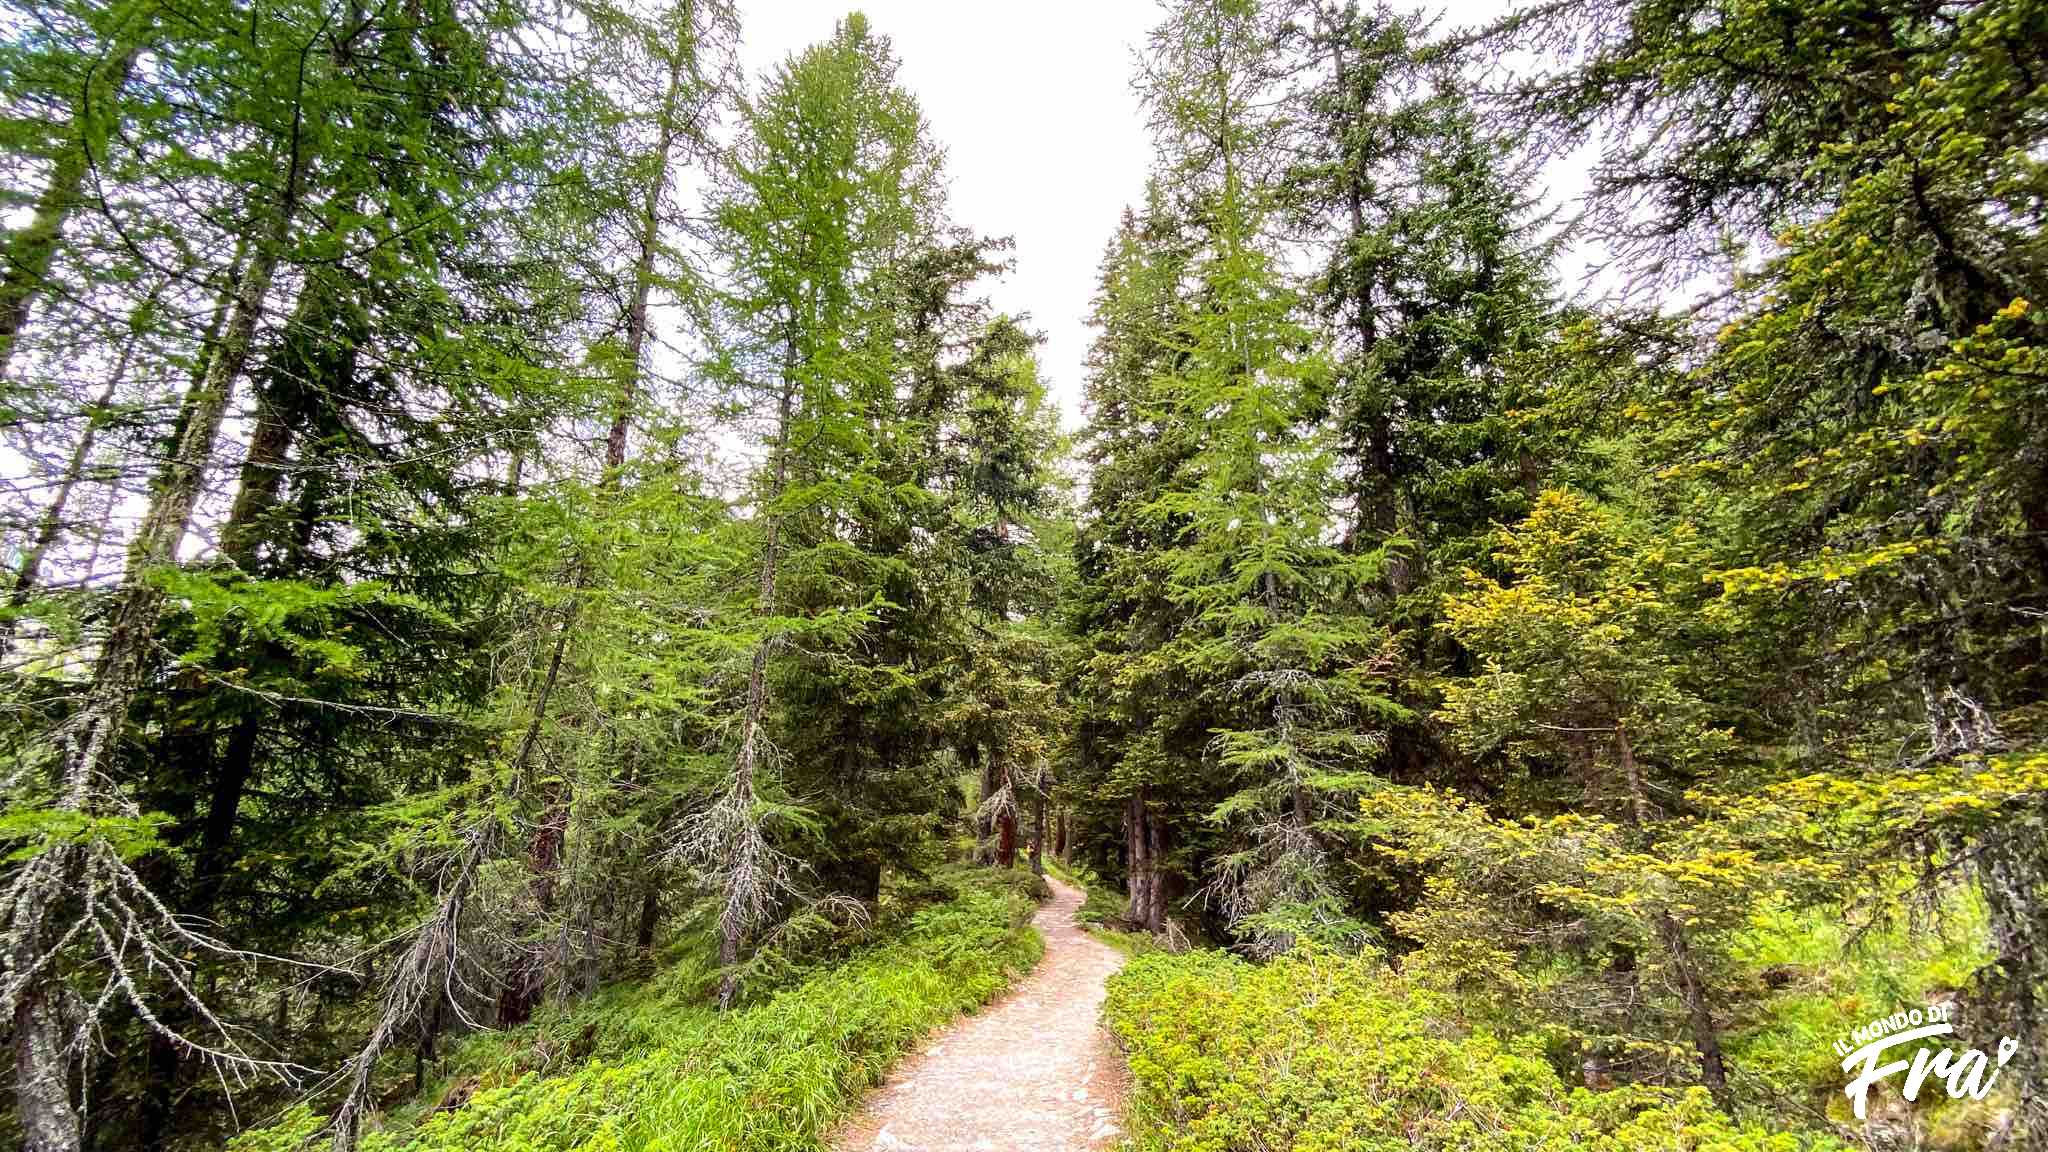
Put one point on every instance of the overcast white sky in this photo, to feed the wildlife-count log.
(1044, 137)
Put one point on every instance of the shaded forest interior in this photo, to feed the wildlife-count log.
(534, 567)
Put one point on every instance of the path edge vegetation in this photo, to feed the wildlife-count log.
(395, 648)
(654, 1064)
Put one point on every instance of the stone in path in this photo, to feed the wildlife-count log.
(1034, 1072)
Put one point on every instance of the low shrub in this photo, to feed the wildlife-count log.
(1021, 880)
(1316, 1052)
(667, 1074)
(1101, 905)
(1832, 977)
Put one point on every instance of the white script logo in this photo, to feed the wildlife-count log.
(1963, 1074)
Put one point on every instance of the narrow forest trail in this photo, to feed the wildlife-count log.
(1035, 1072)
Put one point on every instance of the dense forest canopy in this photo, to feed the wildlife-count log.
(503, 506)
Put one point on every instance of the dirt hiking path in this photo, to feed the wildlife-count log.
(1034, 1072)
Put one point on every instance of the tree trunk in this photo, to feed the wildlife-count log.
(156, 1114)
(1699, 1009)
(42, 1069)
(1138, 868)
(42, 1090)
(648, 923)
(297, 394)
(524, 983)
(30, 252)
(643, 273)
(216, 852)
(1038, 839)
(732, 917)
(1706, 1037)
(209, 348)
(212, 859)
(1156, 888)
(52, 523)
(86, 743)
(275, 426)
(1006, 823)
(424, 1056)
(732, 925)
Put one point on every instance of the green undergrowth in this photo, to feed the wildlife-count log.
(1316, 1052)
(651, 1066)
(1101, 912)
(1101, 906)
(1132, 944)
(1816, 979)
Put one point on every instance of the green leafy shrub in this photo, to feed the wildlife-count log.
(1101, 905)
(1316, 1052)
(666, 1074)
(1022, 881)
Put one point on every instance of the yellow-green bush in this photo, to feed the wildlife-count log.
(766, 1078)
(1316, 1052)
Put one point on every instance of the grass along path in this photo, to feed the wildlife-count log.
(1035, 1072)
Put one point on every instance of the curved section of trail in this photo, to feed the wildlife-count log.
(1035, 1072)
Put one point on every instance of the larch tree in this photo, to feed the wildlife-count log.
(833, 186)
(78, 871)
(605, 564)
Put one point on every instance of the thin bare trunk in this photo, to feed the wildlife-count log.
(523, 985)
(1699, 1009)
(643, 272)
(209, 347)
(1138, 869)
(52, 523)
(732, 925)
(270, 441)
(1038, 837)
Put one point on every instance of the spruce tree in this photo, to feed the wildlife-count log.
(1284, 665)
